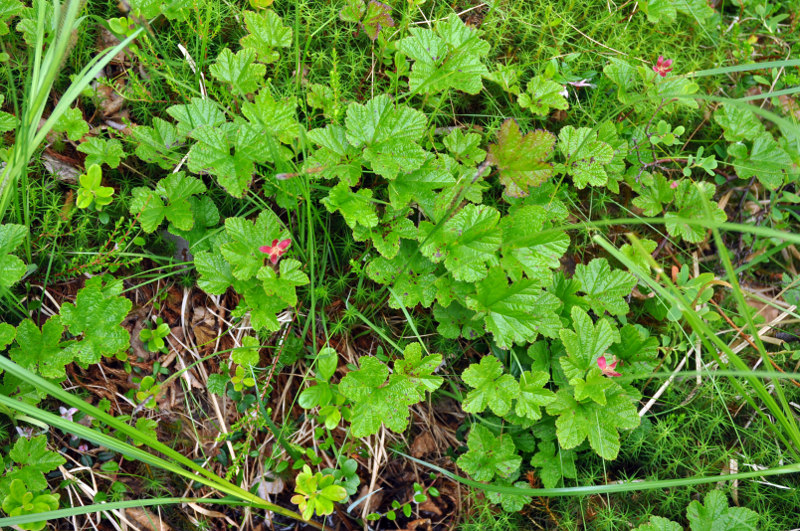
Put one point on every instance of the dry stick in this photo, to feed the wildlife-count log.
(665, 385)
(750, 341)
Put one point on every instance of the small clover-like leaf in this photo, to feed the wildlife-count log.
(92, 191)
(521, 159)
(247, 355)
(489, 456)
(490, 386)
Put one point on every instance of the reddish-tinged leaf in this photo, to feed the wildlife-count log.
(520, 158)
(378, 17)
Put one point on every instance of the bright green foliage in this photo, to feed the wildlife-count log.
(154, 338)
(92, 190)
(578, 421)
(419, 186)
(715, 514)
(282, 284)
(624, 76)
(33, 460)
(276, 117)
(266, 32)
(490, 386)
(655, 195)
(636, 351)
(20, 501)
(197, 113)
(593, 387)
(387, 134)
(239, 70)
(99, 151)
(464, 147)
(9, 9)
(171, 9)
(96, 316)
(11, 268)
(377, 400)
(467, 242)
(520, 158)
(8, 122)
(215, 273)
(229, 152)
(245, 238)
(507, 76)
(533, 394)
(157, 143)
(355, 207)
(692, 200)
(764, 160)
(419, 369)
(527, 247)
(448, 56)
(7, 333)
(41, 351)
(316, 493)
(353, 11)
(541, 95)
(510, 502)
(415, 285)
(205, 215)
(738, 122)
(489, 456)
(658, 523)
(516, 312)
(586, 155)
(586, 343)
(553, 465)
(176, 188)
(71, 122)
(247, 354)
(387, 234)
(605, 289)
(658, 10)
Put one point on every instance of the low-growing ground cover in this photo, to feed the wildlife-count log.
(405, 265)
